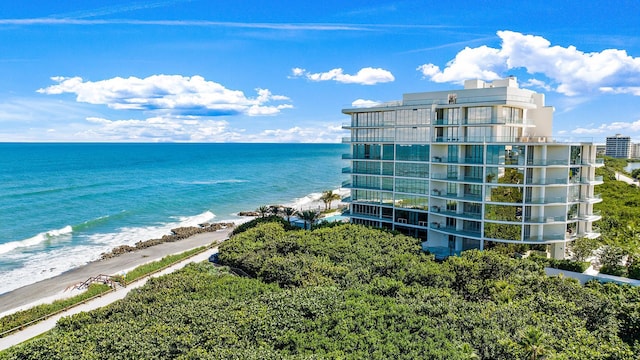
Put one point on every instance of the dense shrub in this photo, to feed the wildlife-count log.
(262, 220)
(352, 293)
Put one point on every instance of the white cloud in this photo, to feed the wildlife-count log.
(570, 71)
(365, 76)
(325, 134)
(477, 63)
(614, 127)
(158, 129)
(362, 103)
(168, 94)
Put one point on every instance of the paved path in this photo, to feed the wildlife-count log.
(46, 291)
(46, 325)
(625, 178)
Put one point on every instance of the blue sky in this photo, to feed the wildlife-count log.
(281, 71)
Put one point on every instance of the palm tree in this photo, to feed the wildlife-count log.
(328, 197)
(274, 209)
(288, 212)
(263, 210)
(533, 343)
(309, 216)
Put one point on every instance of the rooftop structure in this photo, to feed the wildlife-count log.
(469, 168)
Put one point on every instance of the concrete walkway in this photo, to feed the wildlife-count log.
(48, 324)
(625, 178)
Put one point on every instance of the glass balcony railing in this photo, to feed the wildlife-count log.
(551, 238)
(544, 219)
(549, 181)
(463, 215)
(544, 162)
(593, 162)
(454, 231)
(547, 200)
(590, 199)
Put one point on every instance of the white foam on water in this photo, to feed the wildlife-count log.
(37, 266)
(36, 240)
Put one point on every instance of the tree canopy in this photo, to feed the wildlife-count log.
(351, 292)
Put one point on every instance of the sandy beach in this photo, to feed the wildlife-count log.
(60, 286)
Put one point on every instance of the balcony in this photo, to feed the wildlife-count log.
(441, 252)
(547, 200)
(594, 216)
(545, 162)
(348, 140)
(597, 162)
(589, 199)
(451, 230)
(596, 180)
(476, 139)
(455, 178)
(545, 219)
(548, 181)
(446, 122)
(550, 238)
(463, 215)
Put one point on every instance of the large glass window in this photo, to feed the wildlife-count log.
(452, 153)
(495, 154)
(371, 182)
(366, 167)
(387, 152)
(512, 115)
(473, 173)
(503, 231)
(503, 212)
(412, 202)
(505, 154)
(504, 194)
(365, 196)
(412, 170)
(412, 186)
(576, 155)
(472, 208)
(412, 152)
(473, 154)
(479, 115)
(387, 168)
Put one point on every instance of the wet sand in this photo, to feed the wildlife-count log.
(55, 287)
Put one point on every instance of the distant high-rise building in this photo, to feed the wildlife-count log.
(635, 151)
(618, 146)
(469, 168)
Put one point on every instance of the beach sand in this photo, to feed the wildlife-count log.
(60, 286)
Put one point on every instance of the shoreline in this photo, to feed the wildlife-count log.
(124, 258)
(60, 286)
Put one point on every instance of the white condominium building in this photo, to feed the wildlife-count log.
(465, 169)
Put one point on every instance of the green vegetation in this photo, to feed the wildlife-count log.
(619, 225)
(24, 317)
(38, 312)
(149, 268)
(349, 292)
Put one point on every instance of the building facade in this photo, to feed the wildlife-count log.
(465, 169)
(618, 146)
(635, 151)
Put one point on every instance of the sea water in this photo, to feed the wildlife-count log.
(62, 205)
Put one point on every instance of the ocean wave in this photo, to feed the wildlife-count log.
(38, 239)
(213, 182)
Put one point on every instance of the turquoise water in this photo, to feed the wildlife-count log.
(62, 205)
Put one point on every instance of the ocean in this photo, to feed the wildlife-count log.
(62, 205)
